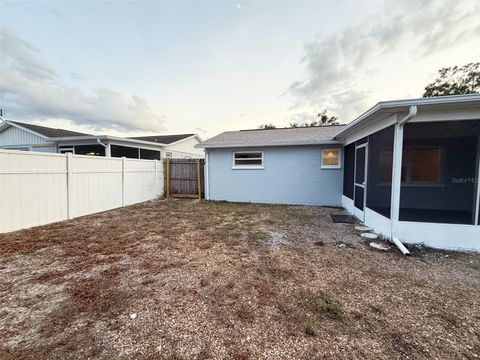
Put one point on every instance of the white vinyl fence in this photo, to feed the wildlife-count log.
(39, 188)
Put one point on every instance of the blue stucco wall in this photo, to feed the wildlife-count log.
(292, 175)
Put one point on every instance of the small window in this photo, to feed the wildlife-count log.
(168, 155)
(422, 166)
(248, 160)
(331, 159)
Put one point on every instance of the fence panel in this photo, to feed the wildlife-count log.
(96, 184)
(143, 180)
(33, 189)
(39, 188)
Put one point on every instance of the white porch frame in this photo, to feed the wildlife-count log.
(356, 211)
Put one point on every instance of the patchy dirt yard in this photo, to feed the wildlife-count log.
(186, 280)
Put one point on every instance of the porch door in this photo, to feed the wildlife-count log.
(360, 183)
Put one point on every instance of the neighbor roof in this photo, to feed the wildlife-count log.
(274, 137)
(164, 139)
(46, 131)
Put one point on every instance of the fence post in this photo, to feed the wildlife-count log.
(124, 162)
(156, 179)
(69, 186)
(168, 178)
(199, 181)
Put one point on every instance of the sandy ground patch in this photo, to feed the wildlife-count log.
(229, 281)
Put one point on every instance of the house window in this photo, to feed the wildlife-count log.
(168, 155)
(248, 160)
(331, 159)
(422, 166)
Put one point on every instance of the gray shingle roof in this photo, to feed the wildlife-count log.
(274, 137)
(165, 139)
(48, 131)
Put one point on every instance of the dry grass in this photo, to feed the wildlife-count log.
(239, 281)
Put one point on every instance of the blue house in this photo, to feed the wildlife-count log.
(407, 168)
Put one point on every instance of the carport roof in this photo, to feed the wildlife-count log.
(315, 135)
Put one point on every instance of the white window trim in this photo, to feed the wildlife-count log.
(19, 147)
(248, 167)
(338, 166)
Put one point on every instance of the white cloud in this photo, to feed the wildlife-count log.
(350, 70)
(30, 89)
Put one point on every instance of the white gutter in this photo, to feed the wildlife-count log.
(397, 177)
(106, 137)
(411, 114)
(391, 105)
(98, 141)
(282, 143)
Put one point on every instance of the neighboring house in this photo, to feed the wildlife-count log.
(29, 137)
(407, 168)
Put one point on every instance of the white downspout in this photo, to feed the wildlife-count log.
(107, 148)
(397, 178)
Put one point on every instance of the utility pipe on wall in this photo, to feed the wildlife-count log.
(397, 177)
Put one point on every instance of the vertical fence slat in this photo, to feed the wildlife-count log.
(70, 194)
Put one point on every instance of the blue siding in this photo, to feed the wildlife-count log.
(292, 175)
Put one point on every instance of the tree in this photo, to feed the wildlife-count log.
(323, 120)
(455, 81)
(267, 126)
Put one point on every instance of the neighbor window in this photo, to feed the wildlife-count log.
(422, 166)
(331, 159)
(248, 160)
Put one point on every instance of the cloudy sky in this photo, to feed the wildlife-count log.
(171, 67)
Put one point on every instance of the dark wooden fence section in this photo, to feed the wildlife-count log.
(184, 178)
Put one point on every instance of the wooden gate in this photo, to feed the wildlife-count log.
(184, 178)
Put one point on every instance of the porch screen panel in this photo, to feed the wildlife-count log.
(379, 174)
(349, 168)
(439, 167)
(94, 150)
(126, 151)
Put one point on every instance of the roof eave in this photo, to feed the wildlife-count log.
(240, 145)
(106, 137)
(440, 100)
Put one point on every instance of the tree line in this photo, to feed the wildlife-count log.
(455, 80)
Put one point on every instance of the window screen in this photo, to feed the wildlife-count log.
(348, 170)
(360, 166)
(380, 162)
(248, 159)
(439, 167)
(94, 150)
(149, 154)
